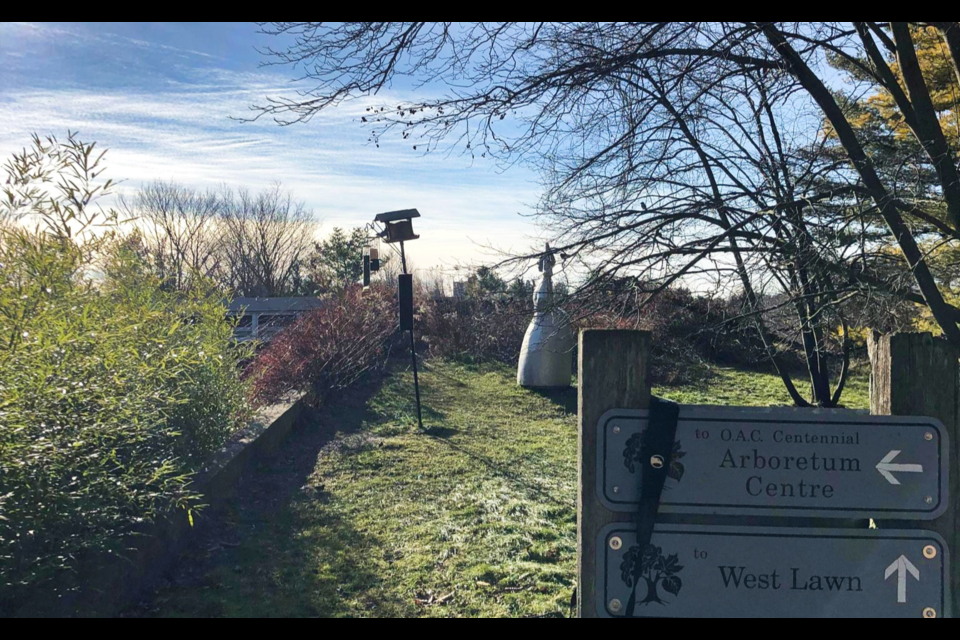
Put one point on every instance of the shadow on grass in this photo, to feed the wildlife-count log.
(500, 470)
(431, 414)
(427, 366)
(440, 433)
(565, 398)
(279, 548)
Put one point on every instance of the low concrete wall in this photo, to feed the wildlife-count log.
(102, 586)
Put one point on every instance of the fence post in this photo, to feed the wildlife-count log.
(613, 374)
(915, 374)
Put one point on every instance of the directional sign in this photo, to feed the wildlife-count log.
(756, 572)
(783, 462)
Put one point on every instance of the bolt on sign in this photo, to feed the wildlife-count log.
(782, 462)
(757, 572)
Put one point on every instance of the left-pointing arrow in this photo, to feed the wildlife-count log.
(887, 468)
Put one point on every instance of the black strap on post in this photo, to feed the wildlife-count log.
(656, 452)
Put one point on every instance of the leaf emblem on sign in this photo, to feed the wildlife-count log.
(653, 569)
(631, 457)
(672, 585)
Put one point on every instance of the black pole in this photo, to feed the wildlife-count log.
(413, 348)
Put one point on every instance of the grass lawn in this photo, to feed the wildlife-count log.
(364, 516)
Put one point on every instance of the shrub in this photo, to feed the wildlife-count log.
(112, 392)
(476, 329)
(328, 349)
(688, 330)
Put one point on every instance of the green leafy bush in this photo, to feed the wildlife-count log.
(112, 393)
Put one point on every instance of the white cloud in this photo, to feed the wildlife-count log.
(186, 133)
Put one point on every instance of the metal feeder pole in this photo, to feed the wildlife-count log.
(413, 348)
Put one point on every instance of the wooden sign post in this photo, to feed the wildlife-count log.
(915, 374)
(614, 373)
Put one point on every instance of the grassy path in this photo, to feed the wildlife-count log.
(475, 518)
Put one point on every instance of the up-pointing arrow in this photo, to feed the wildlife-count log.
(887, 468)
(902, 567)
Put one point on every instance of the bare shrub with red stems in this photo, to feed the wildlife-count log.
(328, 349)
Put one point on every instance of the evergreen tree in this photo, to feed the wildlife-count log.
(337, 261)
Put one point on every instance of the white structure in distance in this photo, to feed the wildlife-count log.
(262, 318)
(546, 358)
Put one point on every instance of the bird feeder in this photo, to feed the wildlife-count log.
(399, 225)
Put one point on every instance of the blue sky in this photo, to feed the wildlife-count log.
(160, 97)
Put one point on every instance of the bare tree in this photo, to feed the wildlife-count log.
(180, 229)
(265, 239)
(685, 150)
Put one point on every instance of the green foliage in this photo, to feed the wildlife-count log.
(880, 110)
(337, 261)
(112, 392)
(893, 147)
(485, 283)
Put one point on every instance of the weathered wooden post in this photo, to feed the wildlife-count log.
(613, 374)
(915, 374)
